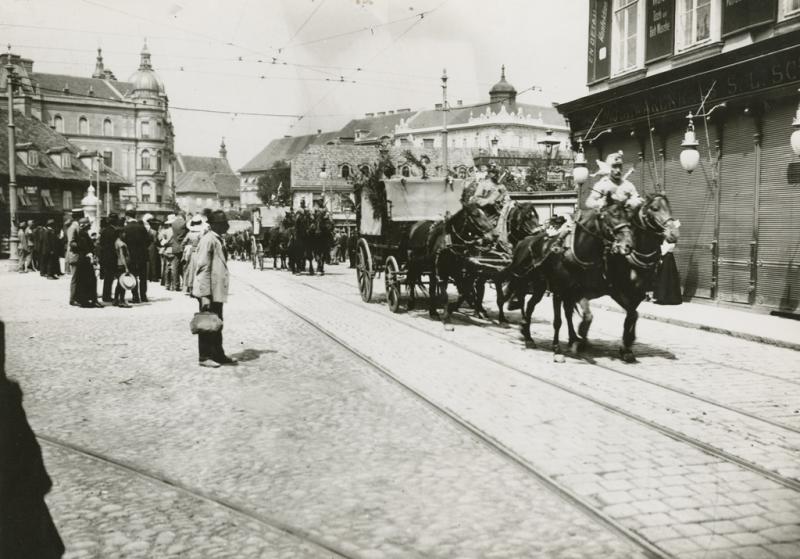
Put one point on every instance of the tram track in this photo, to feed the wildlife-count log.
(707, 448)
(671, 388)
(244, 513)
(559, 489)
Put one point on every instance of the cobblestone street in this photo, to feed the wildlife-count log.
(350, 431)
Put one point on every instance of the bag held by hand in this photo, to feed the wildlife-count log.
(205, 322)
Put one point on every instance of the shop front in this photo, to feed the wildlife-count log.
(738, 206)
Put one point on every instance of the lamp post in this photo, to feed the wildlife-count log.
(548, 144)
(444, 123)
(13, 241)
(323, 175)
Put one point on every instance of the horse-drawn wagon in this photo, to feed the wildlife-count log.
(265, 221)
(384, 231)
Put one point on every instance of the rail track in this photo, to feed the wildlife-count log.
(242, 512)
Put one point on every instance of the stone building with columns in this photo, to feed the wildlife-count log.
(126, 123)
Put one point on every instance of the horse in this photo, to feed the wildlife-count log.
(521, 220)
(321, 239)
(299, 244)
(443, 248)
(628, 276)
(535, 267)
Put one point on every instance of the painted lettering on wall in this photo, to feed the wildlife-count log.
(659, 21)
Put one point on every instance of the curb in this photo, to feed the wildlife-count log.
(705, 327)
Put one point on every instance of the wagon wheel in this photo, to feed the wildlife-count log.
(393, 287)
(364, 270)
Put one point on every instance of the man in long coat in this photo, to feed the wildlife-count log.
(137, 239)
(211, 288)
(107, 255)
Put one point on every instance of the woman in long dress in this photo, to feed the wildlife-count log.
(668, 281)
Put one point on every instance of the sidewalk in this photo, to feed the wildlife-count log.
(762, 328)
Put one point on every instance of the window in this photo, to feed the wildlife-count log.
(158, 160)
(66, 199)
(427, 142)
(66, 160)
(108, 128)
(405, 171)
(364, 170)
(108, 158)
(694, 22)
(58, 123)
(145, 129)
(47, 201)
(345, 171)
(147, 192)
(625, 34)
(790, 8)
(33, 158)
(158, 129)
(83, 125)
(145, 159)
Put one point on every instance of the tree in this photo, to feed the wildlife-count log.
(274, 186)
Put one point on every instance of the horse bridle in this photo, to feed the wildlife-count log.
(470, 221)
(652, 223)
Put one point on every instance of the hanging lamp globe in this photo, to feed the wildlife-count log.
(690, 157)
(580, 171)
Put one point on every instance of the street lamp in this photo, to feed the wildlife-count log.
(580, 169)
(548, 144)
(323, 175)
(690, 157)
(796, 133)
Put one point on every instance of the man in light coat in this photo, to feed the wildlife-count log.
(211, 288)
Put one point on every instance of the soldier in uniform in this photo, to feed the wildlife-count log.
(490, 193)
(613, 186)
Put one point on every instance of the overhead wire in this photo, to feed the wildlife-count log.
(302, 26)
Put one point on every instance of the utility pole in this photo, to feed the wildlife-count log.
(13, 241)
(444, 123)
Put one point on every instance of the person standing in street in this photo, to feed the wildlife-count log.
(211, 288)
(197, 229)
(122, 266)
(153, 266)
(165, 250)
(137, 239)
(107, 254)
(178, 234)
(70, 230)
(83, 247)
(23, 249)
(50, 265)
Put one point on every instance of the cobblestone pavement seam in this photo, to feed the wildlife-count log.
(488, 439)
(196, 493)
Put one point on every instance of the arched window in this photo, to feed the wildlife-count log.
(405, 171)
(345, 171)
(83, 125)
(364, 170)
(147, 192)
(108, 128)
(145, 159)
(58, 123)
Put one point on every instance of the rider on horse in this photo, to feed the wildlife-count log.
(490, 194)
(613, 186)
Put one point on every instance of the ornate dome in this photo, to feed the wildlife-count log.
(502, 89)
(145, 81)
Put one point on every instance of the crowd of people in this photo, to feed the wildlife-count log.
(128, 252)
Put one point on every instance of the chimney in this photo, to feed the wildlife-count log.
(382, 113)
(459, 103)
(438, 106)
(391, 112)
(66, 88)
(23, 103)
(369, 115)
(287, 136)
(91, 91)
(27, 65)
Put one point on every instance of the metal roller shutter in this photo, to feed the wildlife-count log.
(778, 282)
(630, 157)
(693, 202)
(737, 184)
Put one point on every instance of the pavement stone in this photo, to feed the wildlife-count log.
(301, 431)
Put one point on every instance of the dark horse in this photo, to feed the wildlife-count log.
(627, 277)
(320, 239)
(522, 220)
(443, 248)
(279, 241)
(535, 268)
(299, 246)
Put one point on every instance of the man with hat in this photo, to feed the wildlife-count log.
(176, 245)
(137, 239)
(490, 194)
(107, 255)
(49, 253)
(210, 286)
(613, 186)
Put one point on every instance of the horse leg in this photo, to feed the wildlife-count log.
(527, 313)
(501, 315)
(480, 291)
(629, 327)
(448, 308)
(558, 355)
(433, 284)
(569, 310)
(586, 322)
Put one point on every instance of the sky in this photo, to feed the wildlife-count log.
(307, 65)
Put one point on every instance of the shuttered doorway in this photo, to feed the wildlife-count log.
(778, 280)
(737, 193)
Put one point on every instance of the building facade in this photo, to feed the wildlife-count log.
(52, 176)
(206, 182)
(735, 67)
(128, 123)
